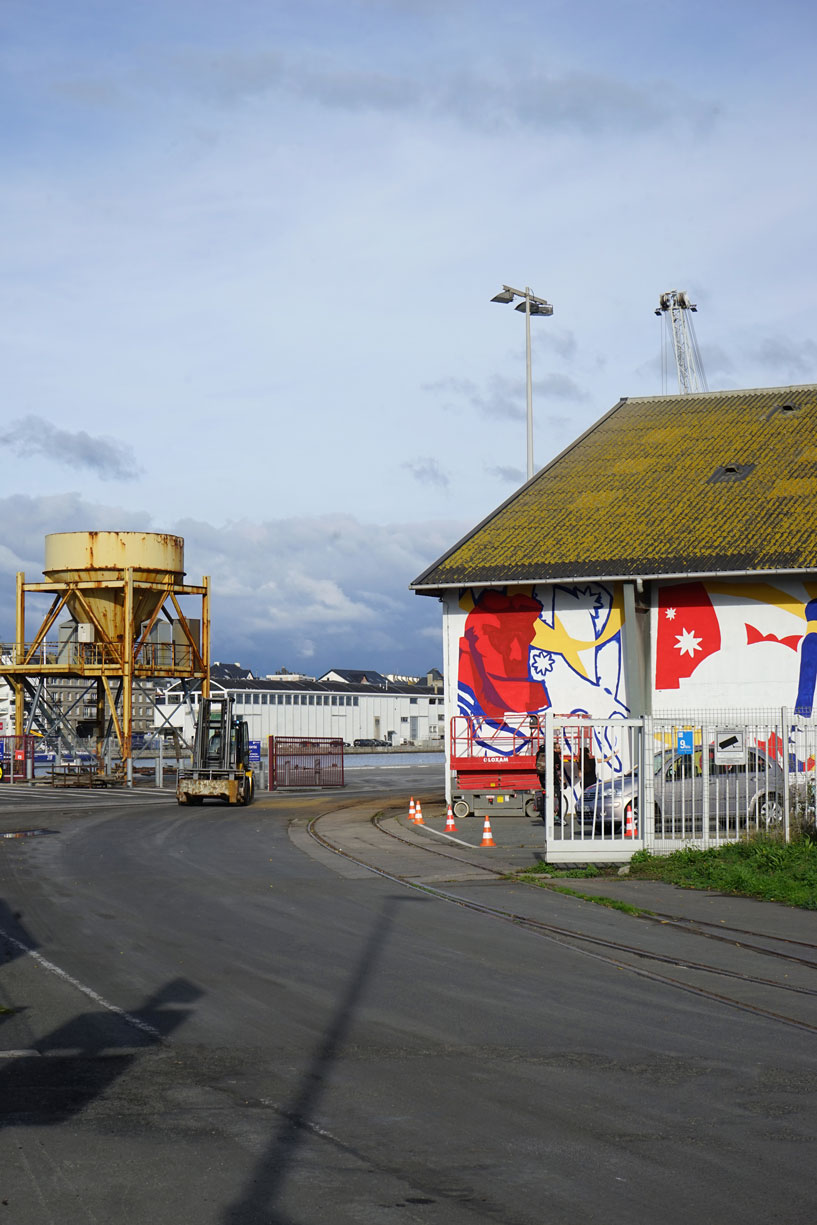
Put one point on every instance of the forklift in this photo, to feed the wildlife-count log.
(221, 750)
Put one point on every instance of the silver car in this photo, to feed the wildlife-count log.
(741, 795)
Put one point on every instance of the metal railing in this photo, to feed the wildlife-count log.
(154, 658)
(663, 783)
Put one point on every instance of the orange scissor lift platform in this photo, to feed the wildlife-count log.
(493, 766)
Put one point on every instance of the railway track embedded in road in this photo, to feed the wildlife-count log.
(605, 949)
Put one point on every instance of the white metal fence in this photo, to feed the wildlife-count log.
(617, 785)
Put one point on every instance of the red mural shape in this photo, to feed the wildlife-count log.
(688, 632)
(792, 641)
(494, 655)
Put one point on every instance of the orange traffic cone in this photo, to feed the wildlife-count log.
(418, 815)
(487, 836)
(450, 827)
(630, 826)
(411, 809)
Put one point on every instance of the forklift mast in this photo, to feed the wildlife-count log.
(222, 741)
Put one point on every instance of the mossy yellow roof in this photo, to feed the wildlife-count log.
(719, 482)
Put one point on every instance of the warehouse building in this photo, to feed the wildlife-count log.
(665, 562)
(348, 704)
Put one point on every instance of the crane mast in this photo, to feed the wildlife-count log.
(677, 310)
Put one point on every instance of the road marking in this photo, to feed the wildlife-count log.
(127, 1017)
(440, 834)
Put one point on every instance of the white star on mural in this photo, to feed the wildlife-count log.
(670, 614)
(687, 643)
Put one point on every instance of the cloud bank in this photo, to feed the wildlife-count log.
(305, 592)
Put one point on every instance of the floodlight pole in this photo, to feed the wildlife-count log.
(529, 383)
(531, 305)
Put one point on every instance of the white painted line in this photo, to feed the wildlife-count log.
(127, 1017)
(440, 834)
(24, 1054)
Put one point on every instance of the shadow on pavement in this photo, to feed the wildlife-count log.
(298, 1123)
(15, 935)
(78, 1061)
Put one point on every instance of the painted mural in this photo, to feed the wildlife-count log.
(523, 651)
(737, 645)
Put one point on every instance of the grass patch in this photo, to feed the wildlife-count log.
(551, 870)
(611, 903)
(759, 867)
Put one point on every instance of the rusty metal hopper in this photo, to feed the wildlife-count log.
(101, 558)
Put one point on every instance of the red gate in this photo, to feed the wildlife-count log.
(297, 761)
(17, 758)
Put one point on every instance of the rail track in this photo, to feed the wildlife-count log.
(605, 950)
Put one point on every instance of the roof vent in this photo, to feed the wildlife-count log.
(731, 472)
(785, 409)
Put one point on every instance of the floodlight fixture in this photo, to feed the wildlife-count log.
(531, 305)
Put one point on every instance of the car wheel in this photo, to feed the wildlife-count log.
(768, 810)
(461, 809)
(532, 807)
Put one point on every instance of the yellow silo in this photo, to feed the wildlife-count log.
(115, 587)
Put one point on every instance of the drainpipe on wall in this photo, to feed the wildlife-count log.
(637, 648)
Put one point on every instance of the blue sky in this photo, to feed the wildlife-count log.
(249, 251)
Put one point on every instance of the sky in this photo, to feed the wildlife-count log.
(249, 250)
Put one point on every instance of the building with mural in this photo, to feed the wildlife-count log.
(664, 563)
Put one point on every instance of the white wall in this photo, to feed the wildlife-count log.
(332, 714)
(730, 645)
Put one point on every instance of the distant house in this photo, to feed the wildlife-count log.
(665, 562)
(355, 676)
(230, 672)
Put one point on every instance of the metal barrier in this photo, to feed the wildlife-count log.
(618, 785)
(296, 761)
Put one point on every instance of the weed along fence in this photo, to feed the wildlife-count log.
(660, 783)
(298, 762)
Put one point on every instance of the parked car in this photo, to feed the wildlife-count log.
(740, 794)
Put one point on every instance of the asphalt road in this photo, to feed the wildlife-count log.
(208, 1018)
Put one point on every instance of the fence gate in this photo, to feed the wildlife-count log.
(298, 762)
(16, 758)
(595, 777)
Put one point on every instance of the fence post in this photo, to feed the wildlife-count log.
(784, 736)
(705, 785)
(647, 783)
(549, 780)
